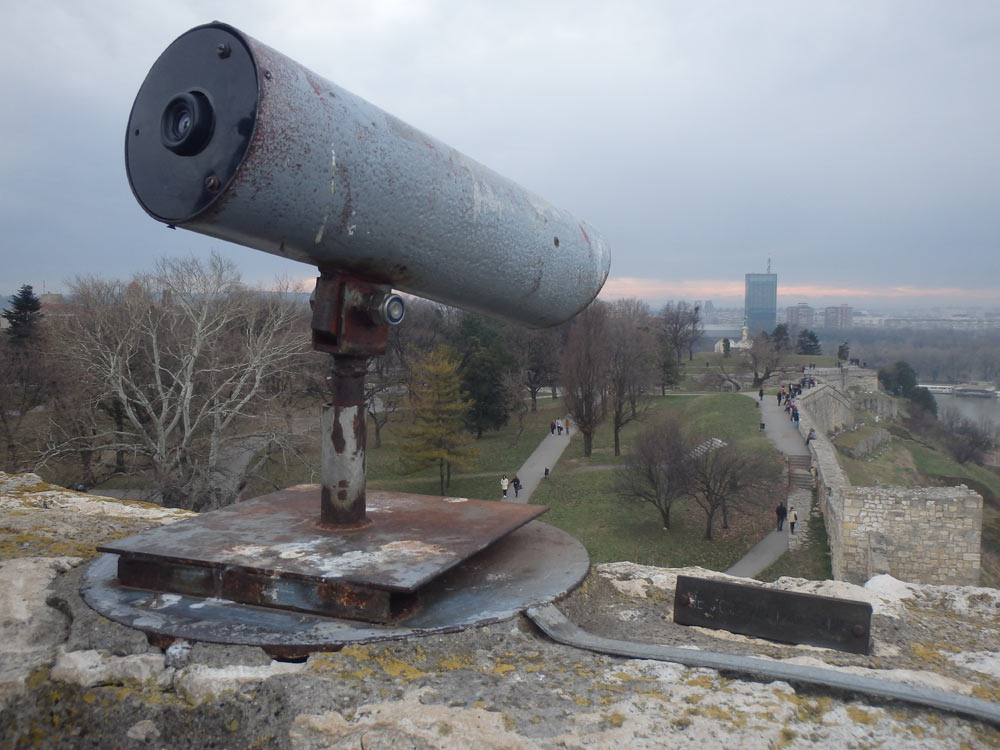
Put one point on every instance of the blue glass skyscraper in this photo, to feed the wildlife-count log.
(761, 302)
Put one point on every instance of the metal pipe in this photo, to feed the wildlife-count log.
(229, 138)
(344, 439)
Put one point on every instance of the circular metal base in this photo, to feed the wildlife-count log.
(534, 565)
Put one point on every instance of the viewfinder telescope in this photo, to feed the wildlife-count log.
(231, 139)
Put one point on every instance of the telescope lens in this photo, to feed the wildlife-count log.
(394, 309)
(187, 123)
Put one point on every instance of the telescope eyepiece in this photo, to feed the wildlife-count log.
(187, 123)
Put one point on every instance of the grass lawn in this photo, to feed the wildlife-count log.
(582, 501)
(481, 481)
(580, 491)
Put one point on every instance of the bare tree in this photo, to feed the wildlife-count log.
(656, 471)
(680, 325)
(631, 346)
(723, 474)
(965, 439)
(516, 406)
(585, 371)
(762, 360)
(26, 385)
(193, 359)
(537, 351)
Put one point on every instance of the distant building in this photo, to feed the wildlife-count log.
(742, 345)
(760, 307)
(801, 316)
(838, 317)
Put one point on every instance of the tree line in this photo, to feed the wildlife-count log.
(193, 379)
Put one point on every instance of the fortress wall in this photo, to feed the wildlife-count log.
(926, 534)
(921, 535)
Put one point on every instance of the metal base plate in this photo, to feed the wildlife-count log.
(535, 565)
(274, 551)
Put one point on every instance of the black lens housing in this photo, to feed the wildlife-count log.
(187, 123)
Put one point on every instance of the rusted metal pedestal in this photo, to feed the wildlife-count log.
(437, 565)
(275, 551)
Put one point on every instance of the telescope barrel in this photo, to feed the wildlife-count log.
(231, 139)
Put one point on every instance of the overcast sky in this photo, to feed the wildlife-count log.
(855, 144)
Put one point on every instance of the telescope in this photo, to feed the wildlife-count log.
(231, 139)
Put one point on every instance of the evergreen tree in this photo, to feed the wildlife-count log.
(780, 338)
(23, 314)
(808, 343)
(844, 351)
(436, 436)
(485, 361)
(898, 378)
(670, 371)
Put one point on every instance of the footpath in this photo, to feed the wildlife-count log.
(544, 458)
(783, 436)
(786, 438)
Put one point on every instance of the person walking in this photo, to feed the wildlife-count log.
(781, 512)
(760, 394)
(504, 482)
(516, 482)
(792, 518)
(552, 427)
(559, 426)
(566, 425)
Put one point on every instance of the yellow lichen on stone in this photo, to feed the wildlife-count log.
(400, 669)
(503, 669)
(786, 737)
(233, 725)
(808, 709)
(616, 719)
(453, 661)
(702, 681)
(860, 717)
(38, 678)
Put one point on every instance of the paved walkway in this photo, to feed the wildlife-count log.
(544, 457)
(786, 438)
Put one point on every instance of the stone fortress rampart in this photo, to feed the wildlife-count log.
(923, 535)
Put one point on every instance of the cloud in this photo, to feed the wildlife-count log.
(731, 292)
(852, 142)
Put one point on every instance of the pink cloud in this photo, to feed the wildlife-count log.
(728, 289)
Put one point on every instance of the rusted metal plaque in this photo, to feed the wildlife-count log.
(787, 616)
(274, 551)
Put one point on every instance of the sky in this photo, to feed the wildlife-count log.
(855, 144)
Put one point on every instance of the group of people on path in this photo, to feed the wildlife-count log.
(505, 483)
(788, 513)
(560, 425)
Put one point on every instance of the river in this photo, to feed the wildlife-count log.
(971, 407)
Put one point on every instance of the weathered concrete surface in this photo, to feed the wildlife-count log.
(71, 679)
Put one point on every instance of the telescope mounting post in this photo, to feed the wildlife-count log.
(349, 321)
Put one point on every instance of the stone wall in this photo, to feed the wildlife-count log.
(828, 408)
(923, 535)
(931, 534)
(72, 679)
